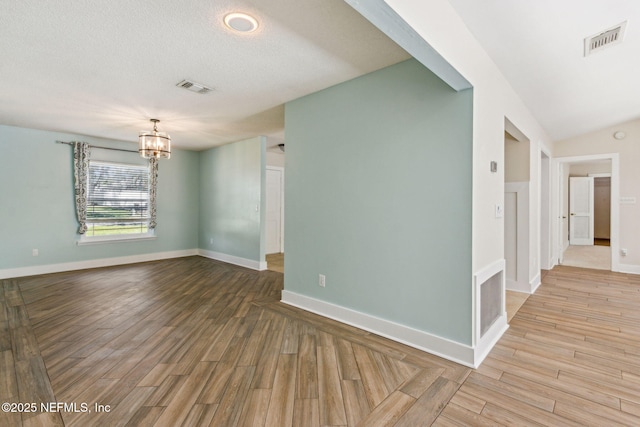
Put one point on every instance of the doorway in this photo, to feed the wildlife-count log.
(275, 218)
(546, 253)
(602, 209)
(582, 251)
(587, 213)
(516, 208)
(517, 174)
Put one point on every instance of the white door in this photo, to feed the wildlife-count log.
(581, 210)
(274, 211)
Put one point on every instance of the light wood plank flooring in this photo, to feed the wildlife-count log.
(275, 262)
(571, 357)
(584, 256)
(198, 342)
(514, 301)
(195, 342)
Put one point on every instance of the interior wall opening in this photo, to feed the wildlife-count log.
(586, 201)
(516, 217)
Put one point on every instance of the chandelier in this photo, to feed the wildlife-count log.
(154, 144)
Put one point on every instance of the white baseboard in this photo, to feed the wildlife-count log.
(629, 268)
(512, 285)
(527, 288)
(489, 339)
(535, 283)
(231, 259)
(445, 348)
(93, 263)
(132, 259)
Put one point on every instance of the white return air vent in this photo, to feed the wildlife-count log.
(606, 38)
(194, 87)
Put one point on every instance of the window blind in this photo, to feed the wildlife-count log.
(117, 199)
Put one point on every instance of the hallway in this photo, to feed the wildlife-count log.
(597, 257)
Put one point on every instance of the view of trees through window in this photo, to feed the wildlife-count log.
(118, 199)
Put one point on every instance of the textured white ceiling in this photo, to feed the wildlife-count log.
(104, 68)
(538, 45)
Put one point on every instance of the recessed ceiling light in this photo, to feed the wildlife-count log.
(241, 22)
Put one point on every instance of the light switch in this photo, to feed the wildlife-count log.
(499, 211)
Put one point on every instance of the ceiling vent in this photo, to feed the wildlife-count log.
(194, 87)
(606, 38)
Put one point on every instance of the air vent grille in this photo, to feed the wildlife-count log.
(606, 38)
(194, 87)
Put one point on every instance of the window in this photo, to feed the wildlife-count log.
(118, 199)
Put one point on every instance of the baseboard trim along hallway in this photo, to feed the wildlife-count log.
(433, 344)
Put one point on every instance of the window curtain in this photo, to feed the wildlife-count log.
(153, 183)
(81, 154)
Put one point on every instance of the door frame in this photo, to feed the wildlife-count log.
(545, 215)
(281, 170)
(595, 176)
(562, 162)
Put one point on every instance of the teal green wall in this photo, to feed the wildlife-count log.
(232, 199)
(378, 199)
(37, 207)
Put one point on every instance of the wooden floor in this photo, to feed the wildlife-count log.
(275, 262)
(571, 356)
(514, 301)
(195, 342)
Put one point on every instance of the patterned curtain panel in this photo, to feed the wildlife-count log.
(81, 154)
(153, 183)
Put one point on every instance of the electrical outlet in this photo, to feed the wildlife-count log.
(321, 280)
(623, 252)
(211, 241)
(34, 252)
